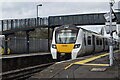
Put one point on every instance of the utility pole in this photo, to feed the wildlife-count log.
(111, 35)
(110, 28)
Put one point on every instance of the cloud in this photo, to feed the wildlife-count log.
(47, 9)
(28, 9)
(18, 9)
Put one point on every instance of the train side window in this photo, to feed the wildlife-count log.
(100, 41)
(115, 43)
(97, 41)
(84, 40)
(89, 40)
(106, 42)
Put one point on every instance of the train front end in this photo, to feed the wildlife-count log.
(63, 42)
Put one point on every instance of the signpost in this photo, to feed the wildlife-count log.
(107, 16)
(110, 28)
(113, 27)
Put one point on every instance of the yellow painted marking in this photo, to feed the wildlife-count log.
(64, 48)
(2, 51)
(116, 51)
(68, 66)
(90, 59)
(97, 64)
(83, 62)
(87, 60)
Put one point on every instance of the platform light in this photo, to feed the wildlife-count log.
(37, 9)
(112, 2)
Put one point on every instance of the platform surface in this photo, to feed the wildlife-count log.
(23, 55)
(92, 66)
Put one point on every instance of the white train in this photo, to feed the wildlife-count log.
(72, 41)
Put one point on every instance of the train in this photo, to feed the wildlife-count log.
(73, 41)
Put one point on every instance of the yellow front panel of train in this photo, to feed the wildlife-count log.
(64, 48)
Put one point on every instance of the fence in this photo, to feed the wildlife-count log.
(19, 45)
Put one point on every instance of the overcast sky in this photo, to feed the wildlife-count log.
(11, 9)
(27, 9)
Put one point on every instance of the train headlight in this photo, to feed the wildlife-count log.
(54, 46)
(76, 46)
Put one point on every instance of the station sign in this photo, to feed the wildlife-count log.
(113, 16)
(113, 27)
(107, 16)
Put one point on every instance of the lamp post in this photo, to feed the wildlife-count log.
(37, 9)
(37, 13)
(110, 18)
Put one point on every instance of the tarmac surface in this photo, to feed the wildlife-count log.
(88, 67)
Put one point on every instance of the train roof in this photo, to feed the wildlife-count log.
(90, 31)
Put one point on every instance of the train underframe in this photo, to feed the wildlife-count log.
(63, 56)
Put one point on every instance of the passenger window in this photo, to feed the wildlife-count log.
(106, 42)
(100, 41)
(84, 40)
(89, 40)
(97, 41)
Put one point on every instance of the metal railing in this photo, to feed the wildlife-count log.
(22, 23)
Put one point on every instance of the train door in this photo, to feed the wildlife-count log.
(93, 42)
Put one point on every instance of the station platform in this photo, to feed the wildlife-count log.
(13, 62)
(88, 67)
(23, 55)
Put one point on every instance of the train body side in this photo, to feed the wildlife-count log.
(86, 42)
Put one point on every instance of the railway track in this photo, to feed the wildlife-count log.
(24, 73)
(27, 72)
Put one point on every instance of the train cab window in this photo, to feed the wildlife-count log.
(89, 40)
(66, 35)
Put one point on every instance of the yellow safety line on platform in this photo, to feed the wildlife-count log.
(97, 64)
(83, 62)
(69, 66)
(87, 60)
(90, 59)
(116, 51)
